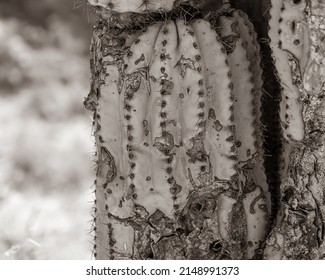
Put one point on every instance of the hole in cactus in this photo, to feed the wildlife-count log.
(150, 255)
(296, 2)
(201, 124)
(169, 170)
(216, 246)
(263, 207)
(180, 231)
(197, 207)
(296, 42)
(170, 180)
(288, 194)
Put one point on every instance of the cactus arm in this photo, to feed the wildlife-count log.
(290, 106)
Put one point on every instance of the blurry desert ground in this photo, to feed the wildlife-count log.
(46, 148)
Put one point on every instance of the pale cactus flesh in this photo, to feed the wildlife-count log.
(177, 101)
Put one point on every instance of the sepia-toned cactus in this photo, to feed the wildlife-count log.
(176, 95)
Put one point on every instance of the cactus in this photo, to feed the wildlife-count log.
(176, 96)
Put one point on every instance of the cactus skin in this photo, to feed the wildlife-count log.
(299, 229)
(167, 155)
(160, 216)
(150, 94)
(175, 158)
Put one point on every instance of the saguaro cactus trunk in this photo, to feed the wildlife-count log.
(176, 96)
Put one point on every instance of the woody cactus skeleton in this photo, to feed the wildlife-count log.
(176, 96)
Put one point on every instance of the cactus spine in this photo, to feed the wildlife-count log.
(176, 96)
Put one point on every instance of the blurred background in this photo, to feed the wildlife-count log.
(46, 147)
